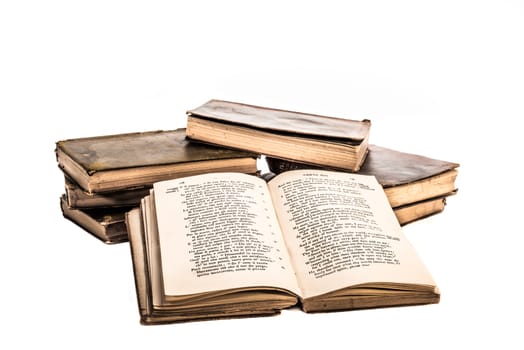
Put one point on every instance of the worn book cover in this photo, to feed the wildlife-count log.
(76, 197)
(106, 224)
(412, 212)
(406, 177)
(122, 161)
(309, 138)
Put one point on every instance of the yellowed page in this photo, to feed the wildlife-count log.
(340, 231)
(151, 241)
(219, 231)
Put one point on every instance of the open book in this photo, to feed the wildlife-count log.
(230, 244)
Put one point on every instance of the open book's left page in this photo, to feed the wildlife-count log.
(219, 231)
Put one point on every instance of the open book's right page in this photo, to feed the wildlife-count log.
(341, 231)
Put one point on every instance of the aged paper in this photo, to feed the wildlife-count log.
(341, 231)
(219, 231)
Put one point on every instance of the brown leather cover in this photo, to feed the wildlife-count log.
(141, 149)
(106, 224)
(77, 198)
(283, 121)
(390, 167)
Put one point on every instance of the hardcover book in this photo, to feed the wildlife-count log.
(406, 178)
(106, 224)
(123, 161)
(76, 197)
(230, 245)
(308, 138)
(410, 212)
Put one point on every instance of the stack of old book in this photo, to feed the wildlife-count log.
(321, 231)
(106, 176)
(416, 186)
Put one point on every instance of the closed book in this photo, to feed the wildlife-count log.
(107, 224)
(76, 197)
(406, 177)
(308, 138)
(116, 162)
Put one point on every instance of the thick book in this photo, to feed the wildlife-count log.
(106, 224)
(407, 178)
(230, 245)
(122, 161)
(308, 138)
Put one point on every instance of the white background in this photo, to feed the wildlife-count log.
(444, 79)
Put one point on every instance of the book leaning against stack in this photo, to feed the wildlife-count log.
(106, 176)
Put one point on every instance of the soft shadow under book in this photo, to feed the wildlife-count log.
(231, 245)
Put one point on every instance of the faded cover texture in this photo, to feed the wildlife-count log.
(78, 198)
(390, 167)
(283, 121)
(106, 224)
(141, 149)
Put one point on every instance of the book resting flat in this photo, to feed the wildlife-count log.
(230, 244)
(121, 161)
(309, 138)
